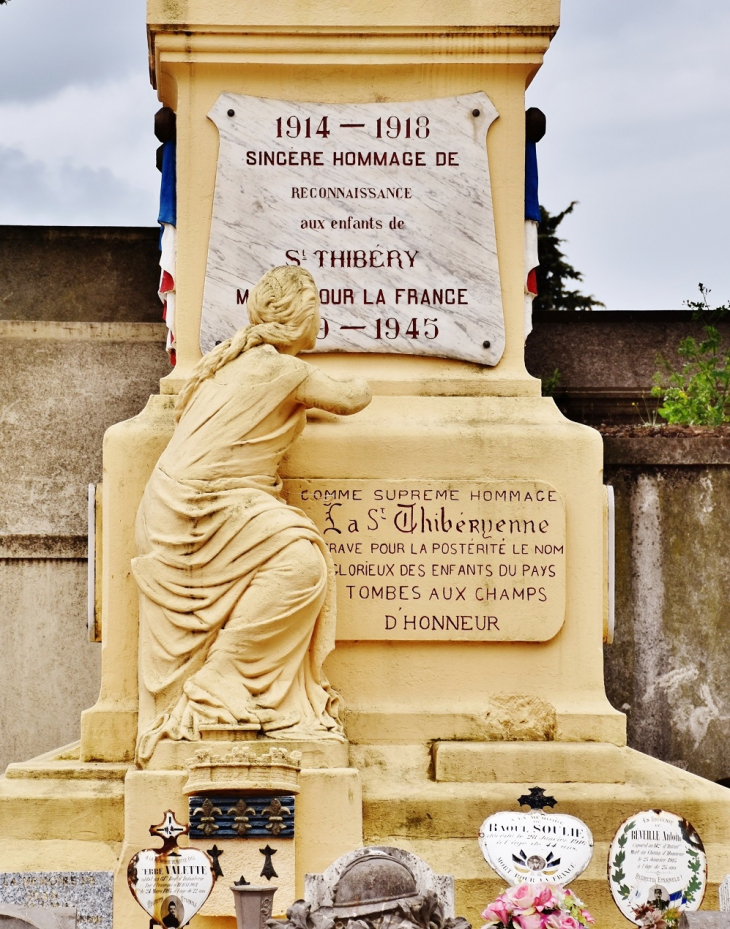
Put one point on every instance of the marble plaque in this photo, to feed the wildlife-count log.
(90, 892)
(656, 858)
(388, 205)
(33, 917)
(536, 847)
(440, 560)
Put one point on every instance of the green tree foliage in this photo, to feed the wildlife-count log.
(554, 272)
(698, 394)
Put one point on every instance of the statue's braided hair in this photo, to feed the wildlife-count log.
(277, 318)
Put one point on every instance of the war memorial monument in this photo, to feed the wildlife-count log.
(354, 568)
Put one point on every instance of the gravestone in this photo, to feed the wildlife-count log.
(33, 917)
(378, 865)
(86, 894)
(724, 894)
(706, 920)
(380, 886)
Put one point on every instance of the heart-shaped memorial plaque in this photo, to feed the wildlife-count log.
(170, 884)
(529, 848)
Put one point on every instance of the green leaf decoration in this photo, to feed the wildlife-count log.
(622, 841)
(629, 827)
(619, 859)
(624, 891)
(691, 889)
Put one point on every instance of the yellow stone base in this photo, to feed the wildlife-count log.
(431, 801)
(61, 814)
(57, 813)
(329, 753)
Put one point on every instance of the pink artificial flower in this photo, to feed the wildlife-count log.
(496, 912)
(545, 898)
(528, 920)
(587, 917)
(569, 922)
(523, 897)
(552, 920)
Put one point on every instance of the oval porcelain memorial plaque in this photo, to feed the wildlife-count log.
(536, 847)
(656, 859)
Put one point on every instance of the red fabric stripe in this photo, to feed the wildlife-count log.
(166, 283)
(532, 282)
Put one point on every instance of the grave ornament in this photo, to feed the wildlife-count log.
(375, 888)
(656, 864)
(36, 917)
(50, 898)
(536, 847)
(224, 650)
(170, 883)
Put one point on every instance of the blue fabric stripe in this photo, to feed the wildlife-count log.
(532, 203)
(168, 185)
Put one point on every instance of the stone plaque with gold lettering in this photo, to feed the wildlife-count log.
(388, 205)
(439, 560)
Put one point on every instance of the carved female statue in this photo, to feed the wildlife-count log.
(236, 609)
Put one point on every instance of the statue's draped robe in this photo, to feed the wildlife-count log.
(236, 588)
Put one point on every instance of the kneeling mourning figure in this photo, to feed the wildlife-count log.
(375, 888)
(237, 611)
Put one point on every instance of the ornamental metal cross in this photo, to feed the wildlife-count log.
(536, 799)
(169, 830)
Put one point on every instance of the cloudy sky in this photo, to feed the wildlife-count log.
(637, 95)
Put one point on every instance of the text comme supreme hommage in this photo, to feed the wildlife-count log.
(413, 518)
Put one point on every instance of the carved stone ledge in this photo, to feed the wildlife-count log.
(242, 769)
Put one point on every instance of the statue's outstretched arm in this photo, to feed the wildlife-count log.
(349, 395)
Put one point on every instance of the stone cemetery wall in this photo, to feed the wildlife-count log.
(70, 368)
(606, 360)
(667, 667)
(82, 349)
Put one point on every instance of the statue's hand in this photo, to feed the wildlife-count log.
(346, 396)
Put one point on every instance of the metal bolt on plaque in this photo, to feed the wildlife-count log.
(171, 884)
